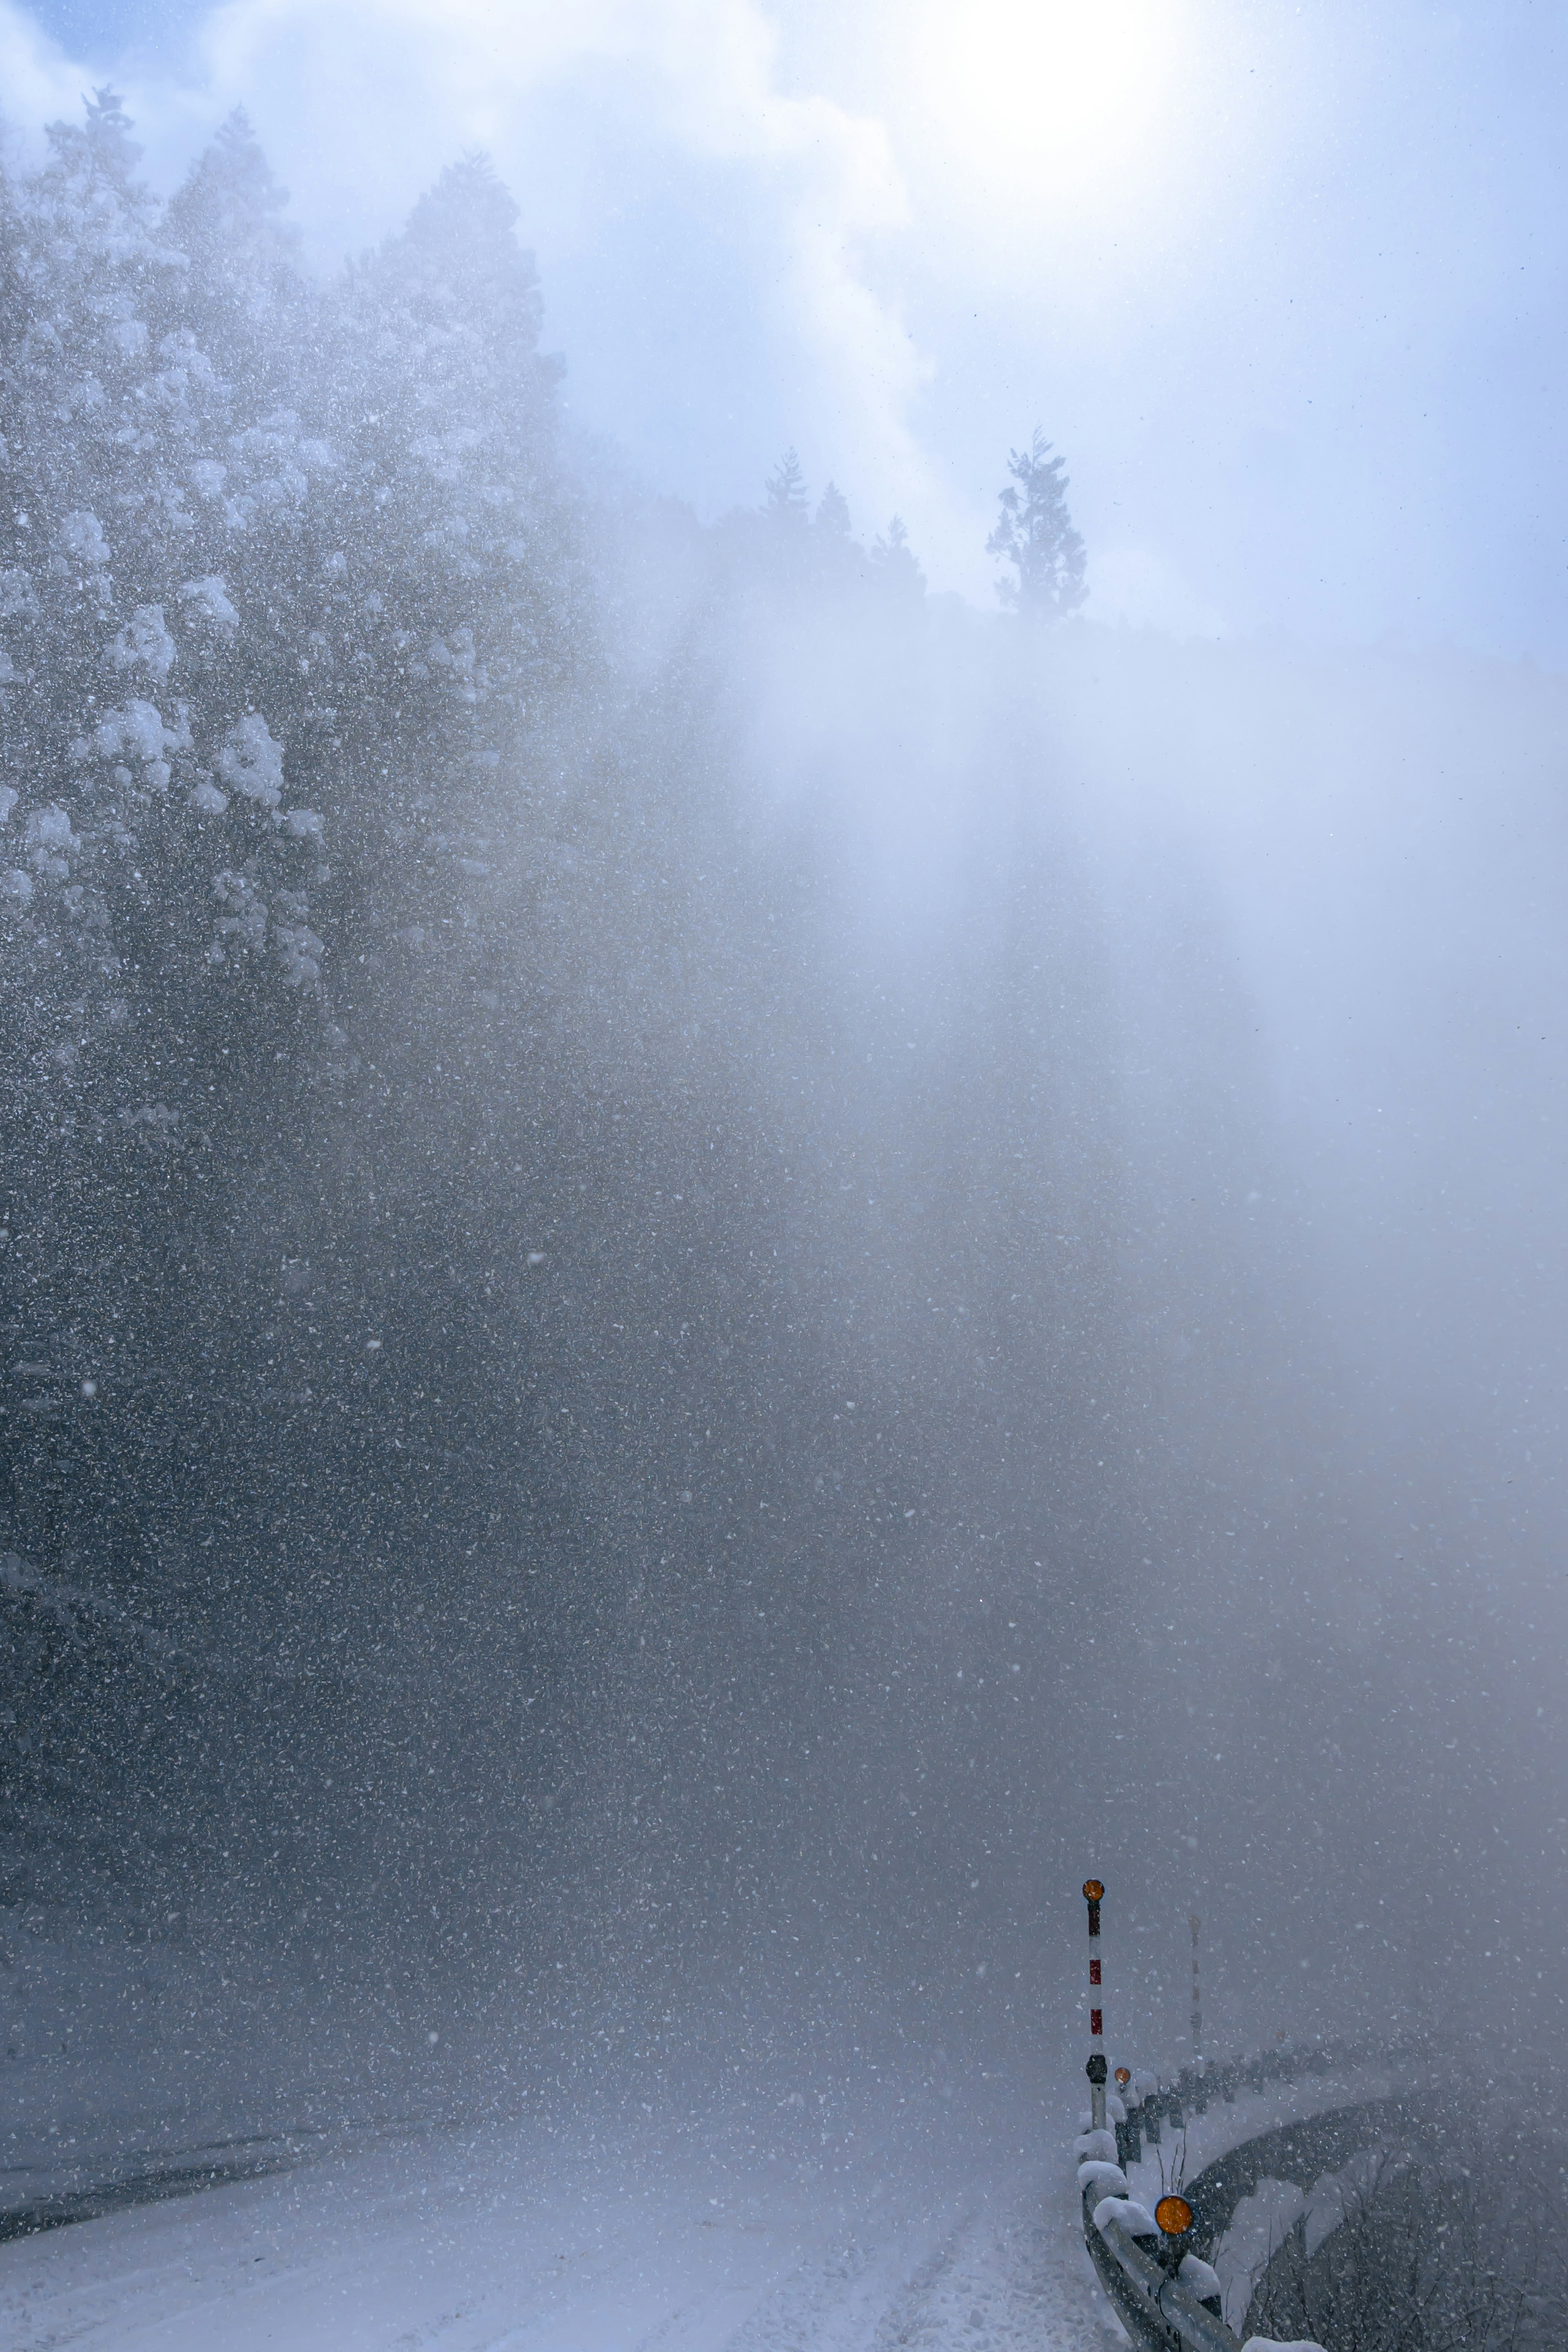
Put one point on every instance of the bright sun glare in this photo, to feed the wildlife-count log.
(1057, 100)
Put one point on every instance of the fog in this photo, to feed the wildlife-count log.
(718, 1260)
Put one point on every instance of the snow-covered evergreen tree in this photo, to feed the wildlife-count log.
(788, 500)
(245, 298)
(895, 563)
(1035, 533)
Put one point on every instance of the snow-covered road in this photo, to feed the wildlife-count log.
(795, 2212)
(512, 2238)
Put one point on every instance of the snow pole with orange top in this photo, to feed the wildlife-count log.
(1094, 1894)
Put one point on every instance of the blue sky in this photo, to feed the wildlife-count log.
(1286, 284)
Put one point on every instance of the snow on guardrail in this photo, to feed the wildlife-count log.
(1164, 2292)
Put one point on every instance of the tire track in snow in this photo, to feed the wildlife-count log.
(989, 2269)
(1003, 2280)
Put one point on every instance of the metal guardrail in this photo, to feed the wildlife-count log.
(1139, 2268)
(1159, 2285)
(1152, 2305)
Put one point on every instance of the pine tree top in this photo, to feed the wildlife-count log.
(1035, 533)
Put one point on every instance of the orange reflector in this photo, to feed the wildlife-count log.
(1174, 2214)
(1124, 2076)
(1092, 1891)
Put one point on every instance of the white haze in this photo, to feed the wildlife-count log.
(1322, 1706)
(1277, 282)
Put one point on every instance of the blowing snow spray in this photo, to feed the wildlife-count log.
(1094, 1894)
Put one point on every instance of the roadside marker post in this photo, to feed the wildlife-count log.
(1173, 2216)
(1094, 1895)
(1129, 2136)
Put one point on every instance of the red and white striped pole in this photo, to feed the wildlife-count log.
(1094, 1894)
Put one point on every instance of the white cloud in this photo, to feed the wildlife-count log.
(40, 82)
(903, 234)
(361, 102)
(589, 111)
